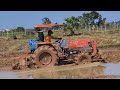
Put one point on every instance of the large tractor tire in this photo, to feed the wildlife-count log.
(46, 56)
(82, 59)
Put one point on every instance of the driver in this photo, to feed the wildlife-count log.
(49, 36)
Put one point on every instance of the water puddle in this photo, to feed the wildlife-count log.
(112, 69)
(8, 75)
(65, 73)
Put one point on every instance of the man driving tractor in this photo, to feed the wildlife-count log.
(49, 36)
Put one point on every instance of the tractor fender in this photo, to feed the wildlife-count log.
(46, 44)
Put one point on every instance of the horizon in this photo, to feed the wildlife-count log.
(28, 19)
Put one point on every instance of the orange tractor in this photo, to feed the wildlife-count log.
(44, 54)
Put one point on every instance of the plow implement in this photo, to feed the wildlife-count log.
(25, 61)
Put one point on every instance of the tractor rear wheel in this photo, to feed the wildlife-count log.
(46, 56)
(82, 59)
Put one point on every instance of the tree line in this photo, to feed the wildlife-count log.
(85, 21)
(88, 20)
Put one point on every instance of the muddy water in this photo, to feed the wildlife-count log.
(8, 75)
(112, 69)
(14, 75)
(71, 72)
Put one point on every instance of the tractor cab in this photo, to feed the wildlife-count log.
(40, 29)
(44, 27)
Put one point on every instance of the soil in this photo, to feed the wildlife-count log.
(11, 50)
(111, 55)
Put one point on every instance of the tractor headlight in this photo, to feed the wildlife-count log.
(90, 44)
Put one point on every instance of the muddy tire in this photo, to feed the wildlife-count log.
(83, 59)
(46, 56)
(98, 55)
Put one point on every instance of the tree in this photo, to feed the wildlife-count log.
(20, 29)
(102, 22)
(86, 20)
(93, 15)
(72, 23)
(46, 20)
(99, 23)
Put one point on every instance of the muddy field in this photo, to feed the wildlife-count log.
(90, 71)
(11, 50)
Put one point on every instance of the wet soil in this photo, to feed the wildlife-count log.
(10, 51)
(89, 71)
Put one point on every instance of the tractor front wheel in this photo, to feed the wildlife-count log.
(82, 59)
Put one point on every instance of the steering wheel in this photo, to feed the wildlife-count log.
(57, 41)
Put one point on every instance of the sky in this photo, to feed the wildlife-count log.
(28, 19)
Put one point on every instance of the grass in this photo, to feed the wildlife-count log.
(110, 38)
(103, 39)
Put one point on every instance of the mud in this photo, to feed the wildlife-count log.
(90, 71)
(8, 61)
(110, 55)
(11, 50)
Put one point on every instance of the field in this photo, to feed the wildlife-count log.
(107, 42)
